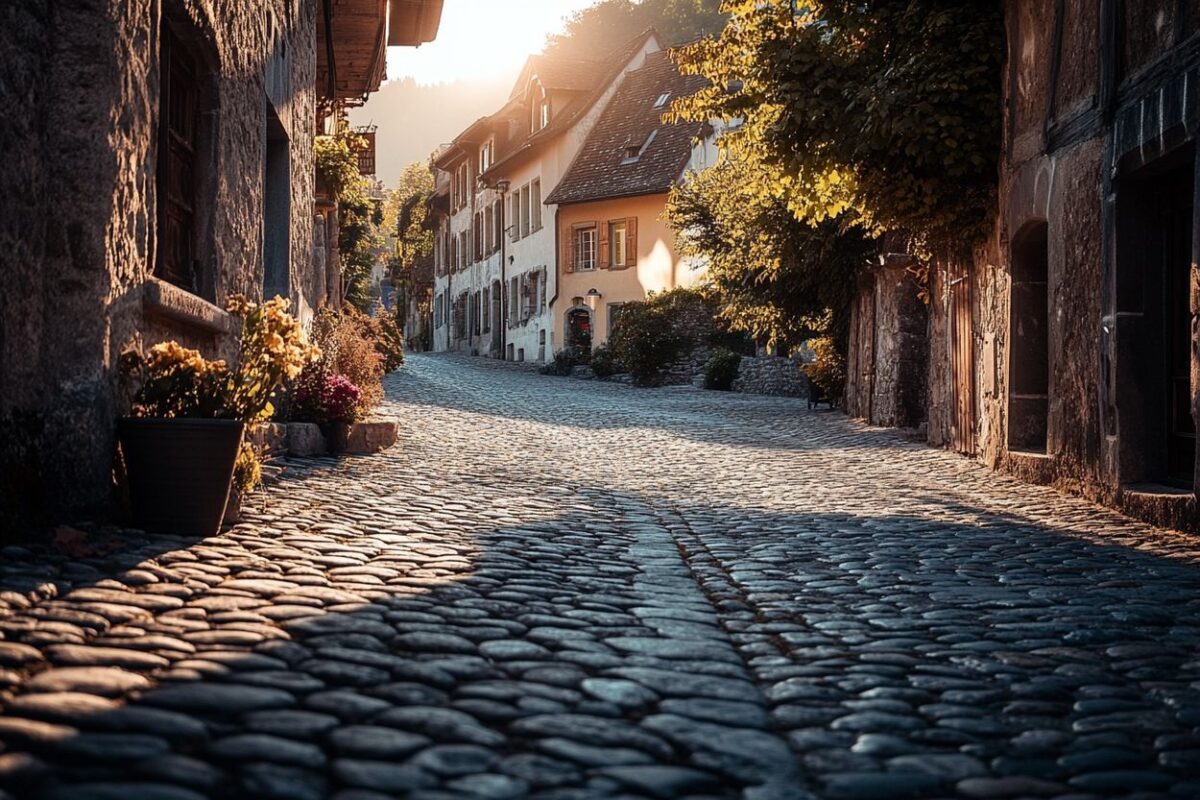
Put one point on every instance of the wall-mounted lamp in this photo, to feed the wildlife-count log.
(593, 297)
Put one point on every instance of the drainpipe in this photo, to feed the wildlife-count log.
(503, 185)
(554, 297)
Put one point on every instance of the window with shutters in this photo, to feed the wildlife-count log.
(525, 210)
(585, 248)
(535, 204)
(498, 220)
(487, 231)
(514, 216)
(618, 235)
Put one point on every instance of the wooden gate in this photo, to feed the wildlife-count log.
(962, 361)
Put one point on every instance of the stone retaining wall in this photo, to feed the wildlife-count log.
(771, 375)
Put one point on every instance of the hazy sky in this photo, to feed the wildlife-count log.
(434, 91)
(482, 39)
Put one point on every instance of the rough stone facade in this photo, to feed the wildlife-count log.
(1081, 366)
(771, 375)
(885, 371)
(81, 87)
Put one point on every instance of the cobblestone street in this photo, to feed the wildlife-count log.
(564, 589)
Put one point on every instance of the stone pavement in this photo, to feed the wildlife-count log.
(564, 589)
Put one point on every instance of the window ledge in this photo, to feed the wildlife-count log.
(1155, 490)
(166, 300)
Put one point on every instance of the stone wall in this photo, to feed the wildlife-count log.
(887, 363)
(80, 88)
(771, 375)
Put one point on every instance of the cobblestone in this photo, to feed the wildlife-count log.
(569, 589)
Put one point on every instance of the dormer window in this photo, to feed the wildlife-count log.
(634, 152)
(662, 99)
(539, 106)
(487, 155)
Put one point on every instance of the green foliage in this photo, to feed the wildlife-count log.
(596, 31)
(604, 362)
(360, 240)
(564, 362)
(721, 369)
(780, 279)
(827, 372)
(247, 469)
(652, 334)
(885, 113)
(407, 220)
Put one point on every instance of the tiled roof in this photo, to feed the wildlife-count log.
(632, 121)
(565, 117)
(556, 72)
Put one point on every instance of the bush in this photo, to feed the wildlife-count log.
(721, 369)
(389, 340)
(564, 362)
(321, 396)
(604, 362)
(652, 334)
(349, 349)
(827, 371)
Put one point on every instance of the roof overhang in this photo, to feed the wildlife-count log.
(353, 37)
(412, 23)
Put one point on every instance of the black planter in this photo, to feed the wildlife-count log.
(179, 471)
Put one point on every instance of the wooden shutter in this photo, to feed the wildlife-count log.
(514, 221)
(631, 242)
(602, 249)
(567, 256)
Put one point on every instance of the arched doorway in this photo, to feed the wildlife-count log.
(579, 329)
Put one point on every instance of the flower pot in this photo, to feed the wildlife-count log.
(180, 471)
(337, 436)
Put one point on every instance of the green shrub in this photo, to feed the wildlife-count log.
(721, 369)
(827, 371)
(564, 362)
(604, 362)
(652, 334)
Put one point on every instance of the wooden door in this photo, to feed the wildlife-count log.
(962, 361)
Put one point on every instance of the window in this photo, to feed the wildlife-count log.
(477, 236)
(636, 151)
(524, 210)
(514, 216)
(487, 230)
(486, 153)
(498, 220)
(618, 236)
(179, 115)
(585, 248)
(662, 99)
(540, 106)
(535, 204)
(485, 308)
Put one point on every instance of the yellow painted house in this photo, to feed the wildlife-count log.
(613, 244)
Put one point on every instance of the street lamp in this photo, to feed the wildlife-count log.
(593, 297)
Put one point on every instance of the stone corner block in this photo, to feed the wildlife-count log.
(305, 439)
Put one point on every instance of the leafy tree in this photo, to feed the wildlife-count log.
(359, 215)
(847, 119)
(594, 32)
(887, 111)
(779, 278)
(407, 219)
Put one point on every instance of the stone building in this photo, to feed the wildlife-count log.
(614, 244)
(496, 244)
(160, 159)
(549, 211)
(1066, 350)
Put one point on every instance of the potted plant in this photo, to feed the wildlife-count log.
(182, 439)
